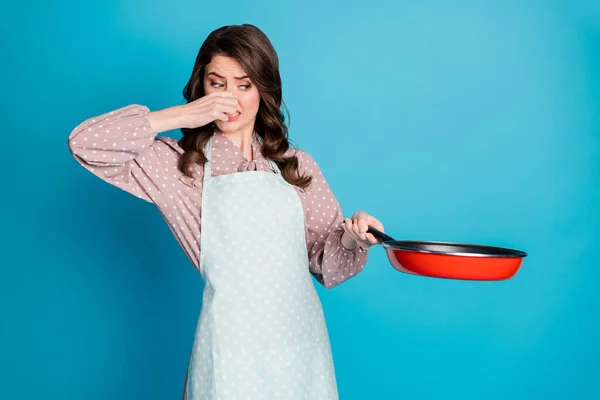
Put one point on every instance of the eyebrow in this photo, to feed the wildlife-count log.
(222, 77)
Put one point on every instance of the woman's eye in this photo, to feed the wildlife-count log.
(220, 85)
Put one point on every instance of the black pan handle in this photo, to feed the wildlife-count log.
(380, 236)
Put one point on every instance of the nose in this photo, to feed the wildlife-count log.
(233, 93)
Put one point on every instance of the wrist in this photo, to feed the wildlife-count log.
(166, 119)
(348, 241)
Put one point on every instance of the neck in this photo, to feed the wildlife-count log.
(243, 140)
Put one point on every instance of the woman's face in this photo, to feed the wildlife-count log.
(226, 74)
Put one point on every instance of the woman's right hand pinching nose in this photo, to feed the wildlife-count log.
(212, 107)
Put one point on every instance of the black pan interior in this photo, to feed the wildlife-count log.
(453, 248)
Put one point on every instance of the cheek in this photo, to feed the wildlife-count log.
(250, 101)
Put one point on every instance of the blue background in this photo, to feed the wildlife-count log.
(471, 121)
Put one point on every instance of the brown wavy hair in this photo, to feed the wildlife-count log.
(255, 53)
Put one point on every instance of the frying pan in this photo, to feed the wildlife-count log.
(450, 260)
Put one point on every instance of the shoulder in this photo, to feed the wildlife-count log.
(164, 150)
(167, 149)
(305, 160)
(166, 143)
(171, 152)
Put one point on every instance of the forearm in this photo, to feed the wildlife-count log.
(166, 119)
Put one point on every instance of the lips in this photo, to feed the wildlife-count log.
(234, 117)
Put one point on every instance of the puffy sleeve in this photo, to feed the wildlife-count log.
(329, 261)
(119, 147)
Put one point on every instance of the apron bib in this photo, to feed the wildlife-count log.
(261, 333)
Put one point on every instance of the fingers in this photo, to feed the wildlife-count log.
(358, 225)
(217, 99)
(221, 117)
(220, 94)
(363, 226)
(362, 234)
(216, 106)
(227, 106)
(348, 226)
(376, 224)
(351, 226)
(370, 221)
(372, 239)
(221, 113)
(223, 108)
(224, 111)
(231, 102)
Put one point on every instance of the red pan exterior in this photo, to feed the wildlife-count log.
(453, 266)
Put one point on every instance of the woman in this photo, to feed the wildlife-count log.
(254, 216)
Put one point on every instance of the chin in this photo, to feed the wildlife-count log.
(228, 127)
(224, 126)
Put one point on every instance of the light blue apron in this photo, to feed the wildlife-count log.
(261, 332)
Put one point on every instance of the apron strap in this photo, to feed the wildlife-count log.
(274, 167)
(207, 164)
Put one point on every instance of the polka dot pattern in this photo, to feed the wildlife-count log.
(263, 323)
(120, 148)
(261, 332)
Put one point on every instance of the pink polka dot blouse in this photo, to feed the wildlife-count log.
(120, 148)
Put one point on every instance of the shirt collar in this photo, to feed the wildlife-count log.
(227, 156)
(225, 152)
